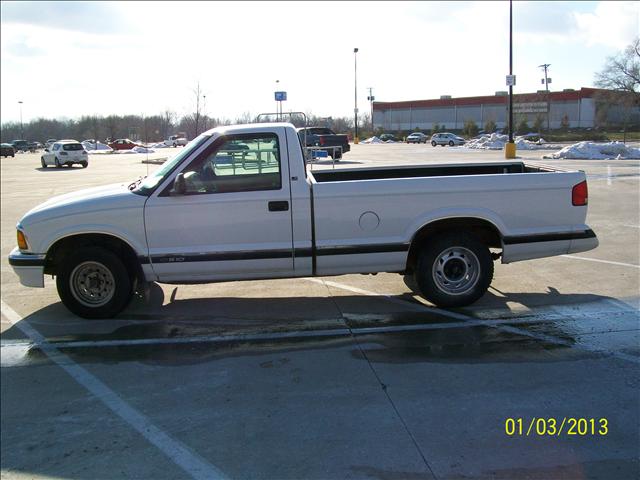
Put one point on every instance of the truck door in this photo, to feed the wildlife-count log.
(233, 219)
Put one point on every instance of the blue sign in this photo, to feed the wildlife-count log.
(281, 96)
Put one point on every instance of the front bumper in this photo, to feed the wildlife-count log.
(29, 267)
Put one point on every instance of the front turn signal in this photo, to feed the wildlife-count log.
(22, 241)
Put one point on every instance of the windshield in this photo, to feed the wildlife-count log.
(148, 184)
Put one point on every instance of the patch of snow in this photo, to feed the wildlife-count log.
(373, 139)
(497, 141)
(136, 150)
(597, 151)
(97, 147)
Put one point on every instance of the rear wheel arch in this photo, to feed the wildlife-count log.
(485, 231)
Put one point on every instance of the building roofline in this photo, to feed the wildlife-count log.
(584, 92)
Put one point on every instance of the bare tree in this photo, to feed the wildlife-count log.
(196, 115)
(622, 72)
(621, 76)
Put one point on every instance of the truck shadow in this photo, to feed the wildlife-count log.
(166, 331)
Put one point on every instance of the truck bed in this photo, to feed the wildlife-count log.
(346, 175)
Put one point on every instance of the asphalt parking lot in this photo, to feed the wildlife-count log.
(338, 377)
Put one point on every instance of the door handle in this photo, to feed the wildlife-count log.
(281, 206)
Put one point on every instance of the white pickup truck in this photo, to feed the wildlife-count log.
(239, 203)
(176, 140)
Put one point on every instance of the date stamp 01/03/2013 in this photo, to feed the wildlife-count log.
(555, 427)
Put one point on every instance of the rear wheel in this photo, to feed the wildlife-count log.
(94, 283)
(84, 164)
(433, 144)
(57, 162)
(454, 269)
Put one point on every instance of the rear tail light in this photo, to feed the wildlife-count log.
(322, 140)
(580, 194)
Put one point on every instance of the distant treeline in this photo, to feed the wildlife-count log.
(149, 129)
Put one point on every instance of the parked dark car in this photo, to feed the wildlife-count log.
(325, 137)
(20, 145)
(123, 144)
(6, 150)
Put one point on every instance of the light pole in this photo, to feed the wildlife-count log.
(371, 98)
(355, 110)
(21, 129)
(510, 147)
(546, 82)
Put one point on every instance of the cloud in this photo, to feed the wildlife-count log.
(614, 24)
(87, 17)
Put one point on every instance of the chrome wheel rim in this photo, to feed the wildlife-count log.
(92, 284)
(456, 270)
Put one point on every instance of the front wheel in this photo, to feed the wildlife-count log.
(454, 269)
(433, 144)
(93, 283)
(84, 164)
(451, 143)
(43, 163)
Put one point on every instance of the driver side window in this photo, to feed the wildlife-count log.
(241, 163)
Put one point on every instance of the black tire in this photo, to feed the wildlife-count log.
(94, 283)
(433, 144)
(57, 163)
(454, 269)
(84, 164)
(451, 143)
(174, 145)
(42, 162)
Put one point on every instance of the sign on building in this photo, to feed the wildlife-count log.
(531, 107)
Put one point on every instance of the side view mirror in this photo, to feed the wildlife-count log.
(179, 186)
(46, 149)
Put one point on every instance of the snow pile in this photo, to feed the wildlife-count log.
(137, 149)
(97, 147)
(597, 151)
(373, 139)
(497, 141)
(159, 145)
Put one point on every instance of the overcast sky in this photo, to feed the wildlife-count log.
(67, 59)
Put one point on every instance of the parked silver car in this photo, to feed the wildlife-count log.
(446, 139)
(417, 137)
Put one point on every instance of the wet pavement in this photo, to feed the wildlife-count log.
(342, 377)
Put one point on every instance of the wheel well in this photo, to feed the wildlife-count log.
(486, 232)
(60, 249)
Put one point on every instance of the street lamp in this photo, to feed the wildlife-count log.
(21, 129)
(355, 76)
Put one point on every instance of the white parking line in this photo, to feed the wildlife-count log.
(194, 465)
(486, 323)
(601, 261)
